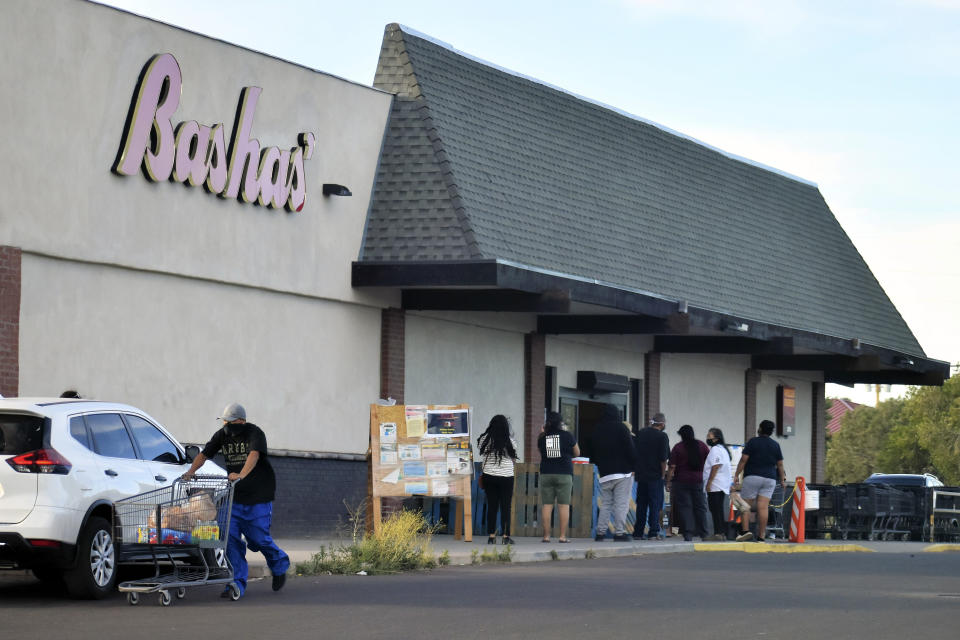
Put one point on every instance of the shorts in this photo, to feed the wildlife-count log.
(757, 485)
(555, 487)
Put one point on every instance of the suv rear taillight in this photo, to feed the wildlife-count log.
(40, 461)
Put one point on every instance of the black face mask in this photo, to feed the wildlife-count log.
(711, 442)
(233, 429)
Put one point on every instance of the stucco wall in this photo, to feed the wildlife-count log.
(622, 355)
(452, 360)
(181, 349)
(703, 391)
(71, 71)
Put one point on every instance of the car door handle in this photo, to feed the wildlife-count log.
(111, 473)
(160, 478)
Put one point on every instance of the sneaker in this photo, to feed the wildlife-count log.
(279, 581)
(600, 537)
(745, 537)
(508, 540)
(621, 537)
(640, 537)
(759, 540)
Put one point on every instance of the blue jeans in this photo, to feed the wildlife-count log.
(649, 506)
(252, 521)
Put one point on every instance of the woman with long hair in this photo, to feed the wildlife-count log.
(498, 450)
(558, 448)
(685, 483)
(718, 478)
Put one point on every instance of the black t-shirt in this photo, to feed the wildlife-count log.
(653, 448)
(556, 452)
(261, 484)
(764, 454)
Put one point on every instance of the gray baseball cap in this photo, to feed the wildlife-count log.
(658, 418)
(233, 411)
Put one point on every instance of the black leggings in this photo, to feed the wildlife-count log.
(499, 492)
(715, 499)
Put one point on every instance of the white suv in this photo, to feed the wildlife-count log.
(63, 462)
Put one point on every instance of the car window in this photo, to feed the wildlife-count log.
(78, 429)
(19, 434)
(153, 444)
(110, 437)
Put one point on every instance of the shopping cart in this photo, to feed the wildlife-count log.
(180, 529)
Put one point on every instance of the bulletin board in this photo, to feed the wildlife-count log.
(422, 450)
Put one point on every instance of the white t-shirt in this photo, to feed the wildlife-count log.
(724, 477)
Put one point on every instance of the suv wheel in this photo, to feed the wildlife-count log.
(96, 572)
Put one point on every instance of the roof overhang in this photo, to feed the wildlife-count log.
(500, 286)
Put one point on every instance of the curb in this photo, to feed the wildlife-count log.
(773, 547)
(942, 547)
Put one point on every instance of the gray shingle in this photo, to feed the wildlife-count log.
(482, 163)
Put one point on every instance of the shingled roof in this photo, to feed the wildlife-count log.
(480, 163)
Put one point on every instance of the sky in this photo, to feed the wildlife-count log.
(861, 97)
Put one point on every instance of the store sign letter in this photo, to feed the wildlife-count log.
(198, 154)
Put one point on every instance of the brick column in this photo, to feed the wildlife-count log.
(818, 435)
(392, 354)
(651, 386)
(534, 390)
(392, 370)
(10, 264)
(751, 381)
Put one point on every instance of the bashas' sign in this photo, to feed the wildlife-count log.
(197, 154)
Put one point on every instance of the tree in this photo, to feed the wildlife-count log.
(855, 451)
(935, 414)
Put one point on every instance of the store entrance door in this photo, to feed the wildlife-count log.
(581, 412)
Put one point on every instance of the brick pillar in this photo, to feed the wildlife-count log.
(534, 391)
(751, 381)
(392, 370)
(392, 354)
(10, 263)
(651, 386)
(818, 435)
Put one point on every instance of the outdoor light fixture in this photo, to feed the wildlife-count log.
(855, 343)
(682, 306)
(330, 189)
(903, 361)
(733, 325)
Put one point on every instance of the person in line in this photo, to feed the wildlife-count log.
(498, 451)
(611, 449)
(244, 448)
(685, 483)
(653, 451)
(759, 469)
(557, 448)
(718, 478)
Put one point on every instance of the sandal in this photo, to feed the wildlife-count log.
(563, 540)
(546, 540)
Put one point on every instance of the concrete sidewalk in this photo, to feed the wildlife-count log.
(533, 550)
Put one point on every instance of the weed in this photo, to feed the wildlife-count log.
(402, 544)
(474, 557)
(444, 558)
(554, 555)
(590, 554)
(489, 556)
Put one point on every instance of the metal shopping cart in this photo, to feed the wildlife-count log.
(180, 529)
